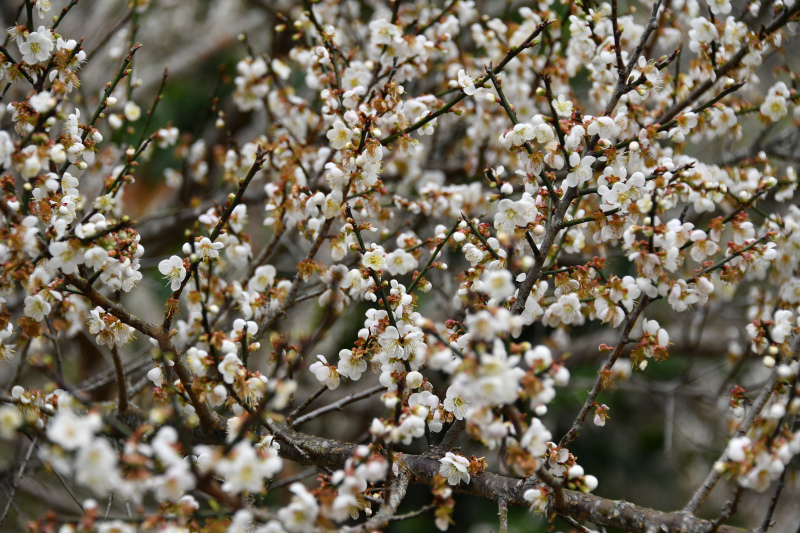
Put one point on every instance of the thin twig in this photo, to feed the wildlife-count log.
(575, 430)
(714, 475)
(303, 406)
(16, 479)
(338, 405)
(122, 389)
(447, 107)
(502, 512)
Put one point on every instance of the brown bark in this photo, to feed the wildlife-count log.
(421, 469)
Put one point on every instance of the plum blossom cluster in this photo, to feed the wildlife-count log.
(412, 212)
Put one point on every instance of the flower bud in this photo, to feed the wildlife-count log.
(414, 379)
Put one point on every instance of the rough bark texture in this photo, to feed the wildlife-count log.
(421, 469)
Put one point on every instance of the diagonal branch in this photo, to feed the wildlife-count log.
(713, 477)
(338, 405)
(729, 65)
(397, 491)
(575, 430)
(622, 82)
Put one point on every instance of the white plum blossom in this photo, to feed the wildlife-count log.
(536, 438)
(339, 135)
(10, 420)
(230, 367)
(702, 32)
(466, 83)
(37, 307)
(132, 111)
(174, 483)
(563, 106)
(72, 431)
(383, 32)
(174, 270)
(96, 466)
(499, 284)
(519, 135)
(774, 107)
(301, 513)
(369, 142)
(38, 46)
(207, 249)
(580, 170)
(782, 327)
(720, 7)
(247, 470)
(455, 403)
(351, 366)
(455, 468)
(375, 258)
(42, 102)
(400, 262)
(263, 277)
(65, 256)
(325, 373)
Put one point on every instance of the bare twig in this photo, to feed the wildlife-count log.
(502, 512)
(338, 405)
(16, 479)
(575, 430)
(714, 475)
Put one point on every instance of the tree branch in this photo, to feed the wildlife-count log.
(714, 475)
(421, 469)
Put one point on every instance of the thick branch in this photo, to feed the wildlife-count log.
(208, 420)
(422, 469)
